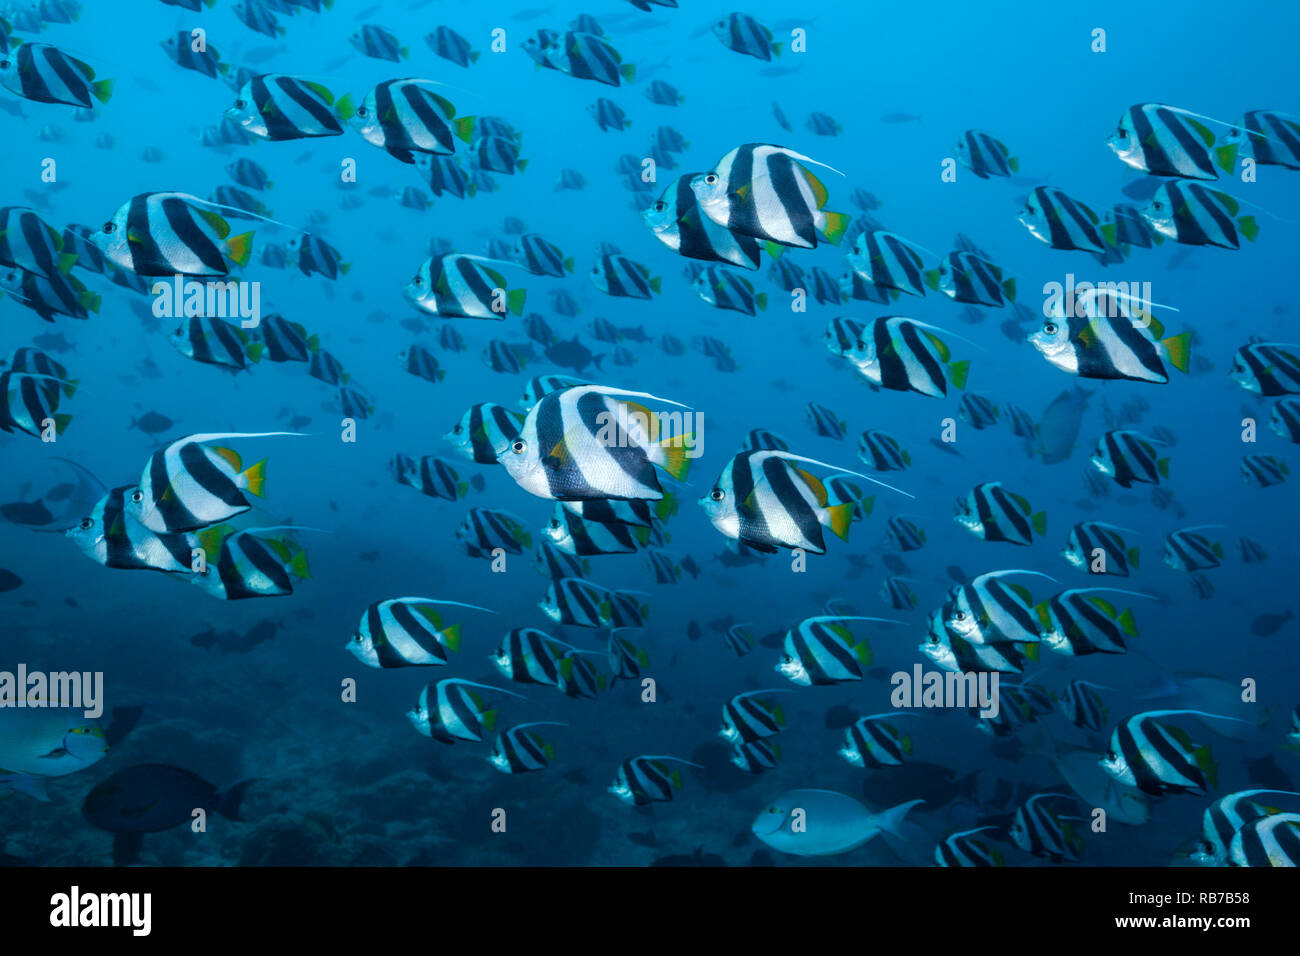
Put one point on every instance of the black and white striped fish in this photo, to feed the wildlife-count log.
(1128, 457)
(168, 233)
(1267, 368)
(591, 441)
(906, 355)
(497, 154)
(49, 296)
(520, 750)
(991, 512)
(1252, 552)
(608, 114)
(1078, 622)
(250, 564)
(1022, 425)
(738, 640)
(617, 275)
(1041, 833)
(977, 411)
(677, 221)
(1125, 227)
(1284, 420)
(583, 604)
(904, 534)
(429, 475)
(286, 341)
(484, 530)
(725, 290)
(897, 594)
(1105, 346)
(406, 117)
(765, 500)
(540, 386)
(1272, 840)
(881, 452)
(825, 422)
(986, 156)
(888, 261)
(529, 656)
(1083, 706)
(378, 43)
(1269, 137)
(463, 286)
(762, 191)
(873, 743)
(988, 610)
(406, 632)
(443, 174)
(1054, 217)
(189, 485)
(743, 34)
(30, 404)
(1098, 548)
(961, 849)
(482, 430)
(584, 537)
(323, 366)
(277, 107)
(756, 756)
(747, 717)
(760, 439)
(214, 341)
(541, 257)
(111, 537)
(970, 278)
(1263, 471)
(821, 650)
(951, 652)
(1186, 550)
(1167, 141)
(1196, 215)
(449, 710)
(1159, 758)
(45, 74)
(648, 779)
(180, 49)
(586, 56)
(450, 45)
(1226, 816)
(29, 243)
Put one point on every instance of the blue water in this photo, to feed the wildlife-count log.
(343, 783)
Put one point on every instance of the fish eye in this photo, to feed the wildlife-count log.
(717, 494)
(1050, 328)
(934, 639)
(1157, 205)
(458, 429)
(959, 616)
(711, 178)
(240, 104)
(519, 446)
(108, 228)
(137, 496)
(4, 64)
(1110, 755)
(660, 206)
(357, 637)
(361, 111)
(87, 524)
(417, 281)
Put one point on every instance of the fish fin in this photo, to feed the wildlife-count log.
(31, 785)
(451, 638)
(675, 462)
(239, 248)
(255, 351)
(1249, 227)
(1102, 605)
(1030, 651)
(1013, 164)
(841, 516)
(1127, 623)
(255, 479)
(345, 107)
(1178, 348)
(1039, 521)
(102, 90)
(774, 249)
(656, 283)
(1009, 290)
(760, 300)
(1226, 157)
(489, 718)
(628, 72)
(1162, 465)
(515, 300)
(836, 224)
(231, 457)
(1132, 554)
(931, 277)
(299, 566)
(862, 651)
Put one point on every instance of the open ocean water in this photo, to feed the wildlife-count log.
(833, 154)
